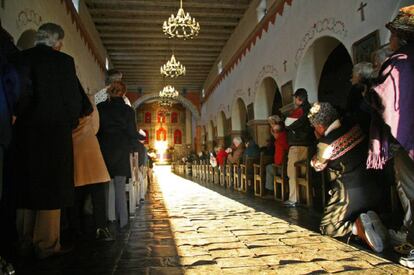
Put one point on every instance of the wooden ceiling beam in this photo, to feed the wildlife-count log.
(134, 4)
(134, 13)
(116, 55)
(157, 35)
(177, 48)
(162, 58)
(159, 42)
(151, 29)
(158, 22)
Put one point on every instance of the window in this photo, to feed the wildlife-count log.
(177, 137)
(203, 93)
(161, 134)
(146, 136)
(147, 118)
(174, 117)
(76, 4)
(161, 118)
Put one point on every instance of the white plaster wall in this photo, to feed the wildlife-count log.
(88, 70)
(284, 40)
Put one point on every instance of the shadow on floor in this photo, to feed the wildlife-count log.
(145, 247)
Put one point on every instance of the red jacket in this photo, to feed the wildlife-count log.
(296, 113)
(221, 157)
(281, 148)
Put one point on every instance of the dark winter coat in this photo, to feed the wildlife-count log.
(117, 135)
(47, 111)
(300, 132)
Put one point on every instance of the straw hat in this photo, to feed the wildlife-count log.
(403, 23)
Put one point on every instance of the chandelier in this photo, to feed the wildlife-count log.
(166, 103)
(169, 92)
(172, 68)
(181, 26)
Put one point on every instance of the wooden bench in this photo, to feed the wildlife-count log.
(236, 183)
(210, 174)
(246, 173)
(228, 175)
(216, 175)
(281, 180)
(259, 174)
(222, 175)
(303, 182)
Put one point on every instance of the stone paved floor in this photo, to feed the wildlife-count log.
(186, 228)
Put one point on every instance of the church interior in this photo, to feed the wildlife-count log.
(256, 137)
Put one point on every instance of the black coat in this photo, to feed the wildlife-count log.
(117, 135)
(300, 132)
(47, 111)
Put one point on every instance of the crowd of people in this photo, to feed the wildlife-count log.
(59, 150)
(354, 144)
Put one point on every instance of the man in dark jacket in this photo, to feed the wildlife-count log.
(300, 137)
(42, 143)
(9, 92)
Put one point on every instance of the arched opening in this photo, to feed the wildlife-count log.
(174, 117)
(334, 84)
(221, 122)
(147, 117)
(210, 131)
(313, 63)
(161, 134)
(26, 40)
(161, 118)
(239, 116)
(177, 137)
(146, 136)
(268, 99)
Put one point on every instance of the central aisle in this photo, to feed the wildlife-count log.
(214, 234)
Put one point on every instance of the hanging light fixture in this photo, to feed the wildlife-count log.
(172, 68)
(166, 103)
(169, 92)
(181, 25)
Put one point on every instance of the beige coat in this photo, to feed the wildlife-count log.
(89, 165)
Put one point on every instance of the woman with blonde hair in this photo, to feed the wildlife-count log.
(117, 137)
(91, 174)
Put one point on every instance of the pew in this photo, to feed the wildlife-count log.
(222, 175)
(303, 181)
(210, 173)
(228, 175)
(246, 173)
(236, 183)
(281, 180)
(216, 175)
(259, 174)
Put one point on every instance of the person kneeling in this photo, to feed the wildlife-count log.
(341, 150)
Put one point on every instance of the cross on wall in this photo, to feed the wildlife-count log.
(361, 10)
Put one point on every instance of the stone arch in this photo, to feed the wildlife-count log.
(221, 122)
(267, 95)
(311, 66)
(210, 131)
(184, 101)
(238, 115)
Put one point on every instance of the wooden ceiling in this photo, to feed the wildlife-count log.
(131, 32)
